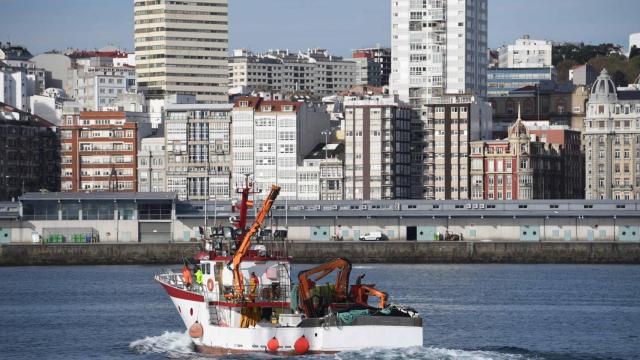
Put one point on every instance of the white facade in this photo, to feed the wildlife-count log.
(14, 87)
(309, 180)
(197, 146)
(97, 87)
(611, 141)
(526, 53)
(314, 71)
(438, 47)
(181, 47)
(151, 170)
(47, 107)
(634, 40)
(321, 176)
(270, 140)
(130, 60)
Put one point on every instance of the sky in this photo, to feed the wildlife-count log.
(337, 25)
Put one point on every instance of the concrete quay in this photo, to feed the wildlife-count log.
(357, 252)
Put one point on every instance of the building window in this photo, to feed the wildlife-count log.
(510, 107)
(528, 106)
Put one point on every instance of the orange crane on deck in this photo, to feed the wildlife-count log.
(238, 280)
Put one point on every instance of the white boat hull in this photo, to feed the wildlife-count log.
(322, 339)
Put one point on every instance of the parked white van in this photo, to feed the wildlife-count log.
(374, 236)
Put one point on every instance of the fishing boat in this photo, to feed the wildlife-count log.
(248, 303)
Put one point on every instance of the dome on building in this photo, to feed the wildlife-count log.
(518, 129)
(604, 89)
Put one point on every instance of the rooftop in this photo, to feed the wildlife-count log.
(112, 196)
(210, 107)
(332, 151)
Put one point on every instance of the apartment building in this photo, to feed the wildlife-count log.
(313, 72)
(198, 151)
(557, 104)
(271, 139)
(440, 140)
(321, 176)
(526, 53)
(377, 148)
(380, 55)
(439, 47)
(100, 148)
(97, 86)
(30, 159)
(151, 169)
(19, 76)
(534, 162)
(368, 72)
(13, 87)
(611, 141)
(181, 47)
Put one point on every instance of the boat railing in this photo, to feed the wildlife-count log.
(275, 294)
(174, 279)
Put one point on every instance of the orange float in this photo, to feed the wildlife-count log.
(196, 330)
(301, 345)
(273, 345)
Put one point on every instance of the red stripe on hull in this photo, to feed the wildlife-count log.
(278, 304)
(182, 294)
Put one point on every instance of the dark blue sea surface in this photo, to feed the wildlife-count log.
(470, 312)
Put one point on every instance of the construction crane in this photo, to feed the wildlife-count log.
(238, 280)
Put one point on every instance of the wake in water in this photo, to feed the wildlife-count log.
(178, 345)
(429, 353)
(170, 344)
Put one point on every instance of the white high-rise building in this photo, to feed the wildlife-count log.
(526, 53)
(270, 139)
(181, 47)
(438, 47)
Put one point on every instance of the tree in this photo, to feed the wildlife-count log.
(563, 70)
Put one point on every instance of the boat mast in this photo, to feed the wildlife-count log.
(246, 241)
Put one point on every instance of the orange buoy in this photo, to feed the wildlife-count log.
(210, 284)
(301, 345)
(273, 345)
(196, 330)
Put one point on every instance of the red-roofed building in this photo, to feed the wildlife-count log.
(99, 150)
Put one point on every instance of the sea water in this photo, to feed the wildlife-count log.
(500, 312)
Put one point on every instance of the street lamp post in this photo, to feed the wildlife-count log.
(326, 134)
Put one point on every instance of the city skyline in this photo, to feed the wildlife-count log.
(112, 23)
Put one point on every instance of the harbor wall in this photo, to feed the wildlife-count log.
(358, 252)
(327, 228)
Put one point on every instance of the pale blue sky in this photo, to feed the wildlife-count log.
(339, 25)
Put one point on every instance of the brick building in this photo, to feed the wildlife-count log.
(534, 162)
(99, 150)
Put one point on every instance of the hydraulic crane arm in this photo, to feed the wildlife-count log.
(238, 281)
(361, 295)
(306, 282)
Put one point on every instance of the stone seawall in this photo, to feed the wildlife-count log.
(317, 252)
(471, 252)
(95, 254)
